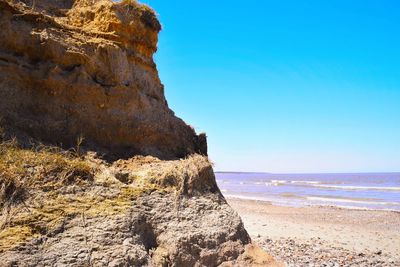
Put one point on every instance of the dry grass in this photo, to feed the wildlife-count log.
(45, 167)
(15, 235)
(186, 177)
(37, 171)
(146, 13)
(55, 210)
(42, 188)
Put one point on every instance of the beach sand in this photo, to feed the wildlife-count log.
(323, 236)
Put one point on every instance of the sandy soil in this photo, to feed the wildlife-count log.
(329, 236)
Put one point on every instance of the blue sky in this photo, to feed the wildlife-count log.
(286, 86)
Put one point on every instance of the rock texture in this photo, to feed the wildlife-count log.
(84, 67)
(71, 68)
(136, 212)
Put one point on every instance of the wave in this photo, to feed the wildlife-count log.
(343, 200)
(276, 182)
(351, 187)
(279, 181)
(321, 201)
(305, 182)
(272, 182)
(321, 184)
(283, 182)
(248, 197)
(269, 200)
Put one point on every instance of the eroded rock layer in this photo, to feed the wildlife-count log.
(71, 68)
(136, 212)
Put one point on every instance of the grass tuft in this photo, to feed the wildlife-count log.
(41, 167)
(146, 13)
(43, 187)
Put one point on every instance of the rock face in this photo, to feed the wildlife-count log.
(136, 212)
(85, 67)
(71, 68)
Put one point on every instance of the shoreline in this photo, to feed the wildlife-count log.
(271, 202)
(276, 203)
(317, 235)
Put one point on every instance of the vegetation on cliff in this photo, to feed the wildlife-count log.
(142, 191)
(40, 167)
(165, 208)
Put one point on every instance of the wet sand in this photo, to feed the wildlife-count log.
(323, 236)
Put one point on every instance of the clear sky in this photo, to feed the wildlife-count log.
(286, 86)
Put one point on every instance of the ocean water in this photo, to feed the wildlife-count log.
(378, 191)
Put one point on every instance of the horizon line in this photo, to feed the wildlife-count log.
(254, 172)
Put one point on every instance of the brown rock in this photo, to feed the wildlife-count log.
(85, 68)
(71, 68)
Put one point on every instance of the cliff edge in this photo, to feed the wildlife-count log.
(74, 69)
(71, 68)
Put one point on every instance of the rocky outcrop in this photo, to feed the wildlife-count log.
(136, 212)
(71, 68)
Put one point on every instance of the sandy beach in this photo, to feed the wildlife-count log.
(323, 236)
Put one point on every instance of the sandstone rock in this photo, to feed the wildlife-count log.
(71, 68)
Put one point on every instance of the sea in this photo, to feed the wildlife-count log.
(373, 191)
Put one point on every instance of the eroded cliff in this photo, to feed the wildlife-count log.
(71, 68)
(71, 211)
(84, 68)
